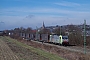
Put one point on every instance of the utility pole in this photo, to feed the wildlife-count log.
(84, 36)
(36, 32)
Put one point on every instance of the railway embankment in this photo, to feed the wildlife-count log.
(69, 52)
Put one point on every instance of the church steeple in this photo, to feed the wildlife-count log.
(43, 25)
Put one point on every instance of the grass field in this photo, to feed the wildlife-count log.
(25, 52)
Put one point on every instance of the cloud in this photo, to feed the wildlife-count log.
(68, 4)
(44, 12)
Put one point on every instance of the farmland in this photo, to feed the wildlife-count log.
(6, 53)
(11, 49)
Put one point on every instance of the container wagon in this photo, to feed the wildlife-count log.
(44, 37)
(37, 37)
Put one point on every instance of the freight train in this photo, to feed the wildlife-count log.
(61, 40)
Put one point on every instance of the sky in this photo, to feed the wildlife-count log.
(32, 13)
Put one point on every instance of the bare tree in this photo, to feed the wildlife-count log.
(75, 35)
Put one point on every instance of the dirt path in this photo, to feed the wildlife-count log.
(6, 53)
(78, 49)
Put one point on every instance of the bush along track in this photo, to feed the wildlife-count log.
(25, 52)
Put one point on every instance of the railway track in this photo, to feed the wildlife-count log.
(6, 53)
